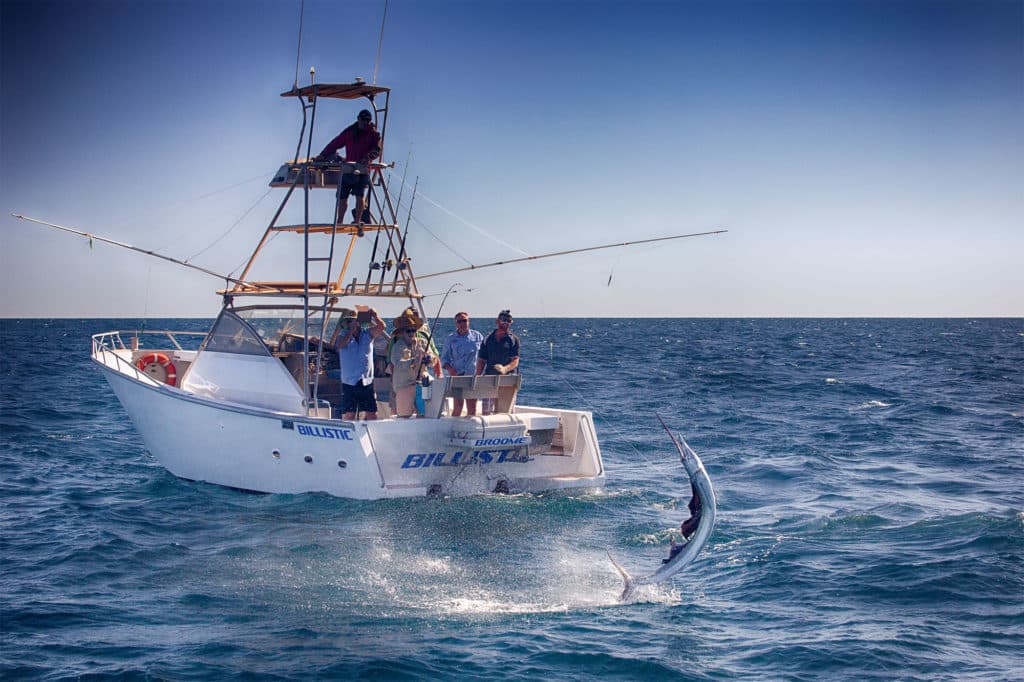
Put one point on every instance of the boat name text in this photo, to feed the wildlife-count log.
(484, 442)
(421, 460)
(323, 432)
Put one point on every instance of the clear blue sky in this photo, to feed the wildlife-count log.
(866, 157)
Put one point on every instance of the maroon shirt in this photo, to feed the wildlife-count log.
(361, 146)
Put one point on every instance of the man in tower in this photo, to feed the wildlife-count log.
(362, 145)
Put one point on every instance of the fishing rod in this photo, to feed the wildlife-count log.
(401, 253)
(394, 213)
(565, 253)
(91, 237)
(405, 172)
(433, 325)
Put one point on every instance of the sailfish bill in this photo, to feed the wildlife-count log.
(701, 483)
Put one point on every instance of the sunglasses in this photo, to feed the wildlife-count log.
(408, 331)
(461, 320)
(507, 320)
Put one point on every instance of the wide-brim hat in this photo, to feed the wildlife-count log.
(408, 318)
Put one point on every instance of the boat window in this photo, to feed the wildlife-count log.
(230, 334)
(281, 328)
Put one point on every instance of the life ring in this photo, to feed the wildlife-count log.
(149, 363)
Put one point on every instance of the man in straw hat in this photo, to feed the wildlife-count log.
(409, 358)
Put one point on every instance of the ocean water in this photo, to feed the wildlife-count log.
(870, 478)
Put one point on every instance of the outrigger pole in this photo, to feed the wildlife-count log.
(243, 282)
(113, 242)
(566, 253)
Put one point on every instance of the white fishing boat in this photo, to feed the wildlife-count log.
(254, 404)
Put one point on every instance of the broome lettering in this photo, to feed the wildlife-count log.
(484, 442)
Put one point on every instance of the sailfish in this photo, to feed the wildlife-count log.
(706, 507)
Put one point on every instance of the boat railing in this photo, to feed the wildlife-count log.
(111, 347)
(500, 388)
(322, 174)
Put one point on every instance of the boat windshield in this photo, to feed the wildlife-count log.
(281, 329)
(232, 335)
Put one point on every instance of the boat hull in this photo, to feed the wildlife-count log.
(255, 449)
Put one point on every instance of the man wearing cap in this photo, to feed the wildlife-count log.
(355, 351)
(499, 352)
(362, 145)
(459, 358)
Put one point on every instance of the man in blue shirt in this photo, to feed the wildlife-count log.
(459, 356)
(355, 351)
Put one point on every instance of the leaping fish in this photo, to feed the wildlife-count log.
(708, 508)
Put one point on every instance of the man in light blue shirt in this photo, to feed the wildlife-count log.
(355, 351)
(459, 358)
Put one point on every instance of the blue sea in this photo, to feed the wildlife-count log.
(870, 481)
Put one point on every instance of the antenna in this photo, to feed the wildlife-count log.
(380, 41)
(298, 48)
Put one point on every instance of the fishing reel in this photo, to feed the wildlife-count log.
(386, 265)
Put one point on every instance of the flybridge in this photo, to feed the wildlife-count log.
(389, 271)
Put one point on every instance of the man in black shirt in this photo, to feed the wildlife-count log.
(499, 353)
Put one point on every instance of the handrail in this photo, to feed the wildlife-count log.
(110, 342)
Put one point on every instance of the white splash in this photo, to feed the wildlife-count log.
(872, 404)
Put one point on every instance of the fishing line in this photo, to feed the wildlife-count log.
(188, 202)
(439, 240)
(586, 403)
(471, 225)
(444, 293)
(261, 176)
(270, 240)
(233, 226)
